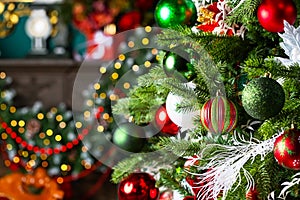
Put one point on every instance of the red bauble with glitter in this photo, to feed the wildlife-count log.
(272, 13)
(287, 149)
(164, 123)
(138, 186)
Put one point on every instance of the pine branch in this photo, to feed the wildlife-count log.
(190, 102)
(166, 149)
(155, 160)
(155, 76)
(229, 49)
(126, 167)
(121, 107)
(263, 182)
(244, 12)
(180, 148)
(171, 180)
(141, 103)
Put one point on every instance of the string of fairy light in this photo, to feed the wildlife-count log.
(13, 11)
(29, 153)
(102, 94)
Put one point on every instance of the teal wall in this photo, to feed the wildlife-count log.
(17, 44)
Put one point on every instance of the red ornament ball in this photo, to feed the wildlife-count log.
(138, 186)
(164, 123)
(130, 20)
(272, 13)
(219, 115)
(287, 149)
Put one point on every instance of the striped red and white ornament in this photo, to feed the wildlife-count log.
(219, 115)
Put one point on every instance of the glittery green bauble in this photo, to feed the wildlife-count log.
(263, 98)
(170, 13)
(129, 137)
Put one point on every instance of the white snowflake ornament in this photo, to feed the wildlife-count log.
(290, 44)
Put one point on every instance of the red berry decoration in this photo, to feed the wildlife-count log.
(164, 123)
(287, 149)
(138, 186)
(272, 13)
(219, 115)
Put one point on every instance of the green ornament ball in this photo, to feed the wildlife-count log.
(170, 13)
(129, 137)
(263, 98)
(175, 65)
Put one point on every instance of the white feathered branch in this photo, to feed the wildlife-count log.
(225, 166)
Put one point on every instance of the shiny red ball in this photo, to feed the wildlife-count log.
(287, 149)
(164, 123)
(138, 186)
(272, 13)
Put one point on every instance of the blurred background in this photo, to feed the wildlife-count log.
(42, 45)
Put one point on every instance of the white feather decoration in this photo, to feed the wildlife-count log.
(225, 166)
(287, 185)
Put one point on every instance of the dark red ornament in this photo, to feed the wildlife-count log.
(164, 123)
(252, 194)
(138, 186)
(272, 13)
(144, 5)
(287, 149)
(189, 198)
(130, 20)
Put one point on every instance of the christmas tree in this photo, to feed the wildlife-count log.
(204, 107)
(217, 115)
